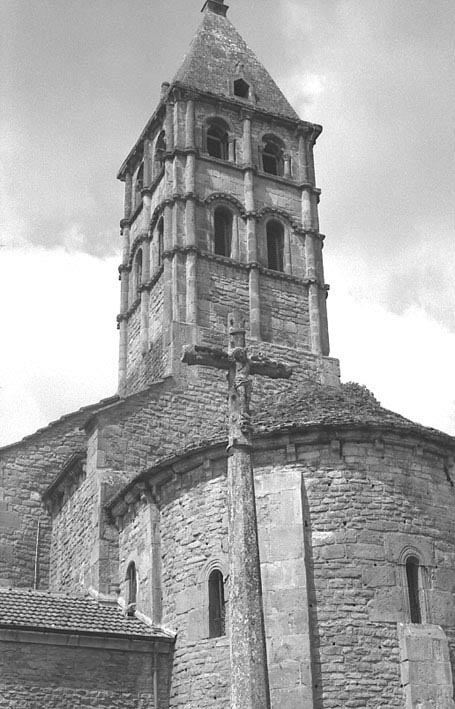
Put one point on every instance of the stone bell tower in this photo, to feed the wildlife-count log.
(221, 211)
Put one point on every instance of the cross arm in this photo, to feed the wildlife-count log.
(206, 356)
(259, 364)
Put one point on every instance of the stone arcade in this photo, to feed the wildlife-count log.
(115, 588)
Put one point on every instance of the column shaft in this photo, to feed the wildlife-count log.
(190, 125)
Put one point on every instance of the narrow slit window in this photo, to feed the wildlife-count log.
(412, 576)
(216, 605)
(138, 270)
(275, 246)
(217, 142)
(160, 148)
(139, 183)
(223, 231)
(160, 235)
(131, 579)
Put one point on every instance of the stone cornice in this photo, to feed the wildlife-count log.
(252, 109)
(240, 265)
(284, 438)
(106, 641)
(67, 481)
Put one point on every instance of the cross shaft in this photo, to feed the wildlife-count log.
(248, 656)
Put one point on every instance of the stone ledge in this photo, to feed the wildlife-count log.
(102, 642)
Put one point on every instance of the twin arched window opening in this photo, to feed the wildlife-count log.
(272, 156)
(218, 140)
(217, 605)
(223, 231)
(275, 245)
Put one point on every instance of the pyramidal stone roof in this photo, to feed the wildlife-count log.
(218, 55)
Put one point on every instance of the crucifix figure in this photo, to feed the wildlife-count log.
(249, 678)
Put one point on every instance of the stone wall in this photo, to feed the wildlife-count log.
(338, 510)
(365, 502)
(26, 469)
(193, 542)
(44, 670)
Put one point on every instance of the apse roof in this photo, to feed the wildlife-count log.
(305, 408)
(23, 609)
(218, 55)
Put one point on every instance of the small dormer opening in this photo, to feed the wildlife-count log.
(241, 88)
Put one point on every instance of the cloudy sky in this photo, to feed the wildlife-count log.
(79, 81)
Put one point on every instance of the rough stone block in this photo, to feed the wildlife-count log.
(10, 520)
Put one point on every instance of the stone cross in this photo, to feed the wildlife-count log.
(249, 677)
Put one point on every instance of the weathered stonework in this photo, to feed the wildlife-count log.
(126, 502)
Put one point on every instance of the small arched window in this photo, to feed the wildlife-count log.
(138, 270)
(223, 231)
(412, 577)
(160, 236)
(160, 148)
(275, 245)
(272, 156)
(241, 88)
(131, 580)
(217, 141)
(216, 605)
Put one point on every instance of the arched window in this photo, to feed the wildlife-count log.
(160, 149)
(272, 156)
(217, 140)
(412, 577)
(241, 88)
(216, 605)
(131, 579)
(275, 245)
(138, 271)
(160, 235)
(223, 231)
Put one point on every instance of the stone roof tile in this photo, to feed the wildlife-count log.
(38, 610)
(218, 55)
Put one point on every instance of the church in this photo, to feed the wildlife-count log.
(280, 541)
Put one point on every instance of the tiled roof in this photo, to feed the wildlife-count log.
(317, 405)
(217, 54)
(38, 610)
(303, 408)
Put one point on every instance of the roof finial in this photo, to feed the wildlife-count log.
(216, 6)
